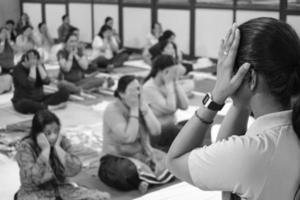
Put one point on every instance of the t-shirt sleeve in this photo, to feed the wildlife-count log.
(97, 43)
(237, 165)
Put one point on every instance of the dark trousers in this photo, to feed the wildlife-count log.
(29, 106)
(117, 61)
(167, 136)
(84, 84)
(119, 173)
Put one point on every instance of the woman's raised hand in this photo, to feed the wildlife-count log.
(43, 141)
(227, 83)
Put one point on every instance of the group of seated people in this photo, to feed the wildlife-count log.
(138, 128)
(140, 125)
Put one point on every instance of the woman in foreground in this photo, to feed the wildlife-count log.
(259, 68)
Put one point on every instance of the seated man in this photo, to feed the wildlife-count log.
(29, 76)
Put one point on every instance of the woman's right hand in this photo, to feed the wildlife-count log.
(169, 75)
(133, 100)
(43, 141)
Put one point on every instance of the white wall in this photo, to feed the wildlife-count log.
(101, 11)
(136, 25)
(81, 17)
(54, 13)
(9, 9)
(34, 10)
(243, 16)
(179, 22)
(211, 27)
(294, 21)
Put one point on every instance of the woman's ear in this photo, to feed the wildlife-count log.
(253, 80)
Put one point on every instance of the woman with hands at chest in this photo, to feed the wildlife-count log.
(128, 123)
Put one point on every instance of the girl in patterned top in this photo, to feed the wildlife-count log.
(46, 161)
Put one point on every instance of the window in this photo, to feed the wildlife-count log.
(137, 1)
(174, 2)
(294, 4)
(258, 4)
(220, 3)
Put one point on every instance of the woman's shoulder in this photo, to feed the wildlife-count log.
(26, 143)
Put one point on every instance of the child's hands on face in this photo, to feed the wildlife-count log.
(43, 141)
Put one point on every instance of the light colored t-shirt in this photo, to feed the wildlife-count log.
(157, 99)
(99, 43)
(262, 165)
(151, 40)
(115, 141)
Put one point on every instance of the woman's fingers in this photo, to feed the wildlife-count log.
(235, 44)
(230, 40)
(238, 78)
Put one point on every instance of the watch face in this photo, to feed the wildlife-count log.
(205, 99)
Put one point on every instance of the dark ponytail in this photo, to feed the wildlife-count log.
(160, 63)
(272, 47)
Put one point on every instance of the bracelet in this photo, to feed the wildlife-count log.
(133, 116)
(202, 120)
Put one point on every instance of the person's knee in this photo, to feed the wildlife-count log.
(64, 94)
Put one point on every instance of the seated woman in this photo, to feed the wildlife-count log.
(29, 76)
(106, 50)
(259, 69)
(167, 45)
(24, 41)
(151, 40)
(73, 63)
(46, 162)
(43, 41)
(165, 96)
(128, 123)
(156, 33)
(23, 22)
(10, 26)
(109, 21)
(6, 52)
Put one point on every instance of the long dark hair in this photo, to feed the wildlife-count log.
(103, 29)
(160, 63)
(158, 48)
(166, 35)
(107, 19)
(124, 81)
(272, 47)
(39, 122)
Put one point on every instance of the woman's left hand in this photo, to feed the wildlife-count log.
(227, 83)
(58, 140)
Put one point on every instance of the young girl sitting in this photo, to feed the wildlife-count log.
(46, 162)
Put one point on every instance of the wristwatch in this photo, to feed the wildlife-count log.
(210, 104)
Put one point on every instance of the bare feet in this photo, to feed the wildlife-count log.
(103, 195)
(143, 187)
